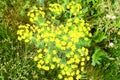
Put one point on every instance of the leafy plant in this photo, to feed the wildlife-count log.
(97, 56)
(59, 44)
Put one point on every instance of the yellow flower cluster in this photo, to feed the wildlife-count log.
(24, 32)
(75, 8)
(35, 13)
(59, 45)
(56, 8)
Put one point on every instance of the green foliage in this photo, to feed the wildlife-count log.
(99, 36)
(97, 56)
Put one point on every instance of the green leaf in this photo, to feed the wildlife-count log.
(99, 36)
(85, 10)
(66, 2)
(97, 56)
(41, 2)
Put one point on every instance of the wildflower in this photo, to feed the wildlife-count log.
(77, 72)
(54, 52)
(45, 68)
(110, 17)
(78, 77)
(58, 43)
(82, 63)
(63, 72)
(68, 55)
(39, 50)
(40, 56)
(52, 66)
(65, 79)
(111, 44)
(60, 76)
(77, 61)
(83, 59)
(39, 66)
(88, 58)
(35, 58)
(46, 50)
(41, 61)
(54, 59)
(19, 38)
(70, 78)
(73, 73)
(82, 69)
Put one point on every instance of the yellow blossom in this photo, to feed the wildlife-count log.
(60, 76)
(52, 66)
(54, 52)
(35, 58)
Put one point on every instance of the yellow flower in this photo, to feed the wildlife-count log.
(90, 35)
(66, 68)
(20, 32)
(73, 48)
(69, 44)
(46, 61)
(67, 73)
(39, 50)
(64, 37)
(71, 53)
(88, 58)
(39, 66)
(54, 52)
(35, 18)
(70, 78)
(58, 60)
(45, 50)
(71, 60)
(19, 38)
(62, 66)
(40, 56)
(63, 48)
(77, 72)
(41, 62)
(62, 72)
(48, 22)
(60, 76)
(45, 68)
(82, 59)
(73, 73)
(82, 63)
(82, 69)
(76, 56)
(32, 15)
(54, 59)
(26, 40)
(65, 78)
(78, 77)
(53, 17)
(83, 48)
(68, 55)
(48, 56)
(63, 43)
(77, 61)
(76, 20)
(31, 20)
(35, 58)
(52, 66)
(86, 39)
(46, 39)
(74, 66)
